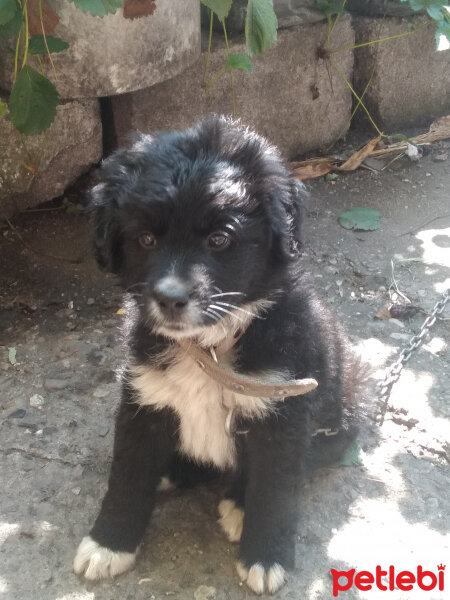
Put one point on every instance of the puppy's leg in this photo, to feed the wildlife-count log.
(275, 468)
(231, 509)
(143, 446)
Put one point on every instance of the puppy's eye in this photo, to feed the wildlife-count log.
(147, 240)
(219, 240)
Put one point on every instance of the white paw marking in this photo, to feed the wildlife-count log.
(166, 485)
(261, 580)
(231, 519)
(97, 562)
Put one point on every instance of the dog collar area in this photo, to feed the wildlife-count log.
(242, 384)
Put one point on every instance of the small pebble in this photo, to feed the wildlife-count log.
(53, 385)
(399, 336)
(18, 414)
(205, 592)
(103, 431)
(90, 301)
(101, 392)
(37, 401)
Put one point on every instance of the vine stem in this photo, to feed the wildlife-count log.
(25, 14)
(233, 91)
(215, 78)
(360, 101)
(208, 54)
(332, 25)
(385, 39)
(44, 35)
(16, 55)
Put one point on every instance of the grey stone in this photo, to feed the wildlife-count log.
(37, 401)
(17, 414)
(410, 80)
(289, 13)
(54, 385)
(379, 8)
(114, 55)
(71, 145)
(205, 592)
(293, 97)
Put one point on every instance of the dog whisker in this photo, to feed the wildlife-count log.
(228, 312)
(228, 294)
(248, 312)
(214, 316)
(142, 283)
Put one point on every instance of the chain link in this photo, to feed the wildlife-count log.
(394, 371)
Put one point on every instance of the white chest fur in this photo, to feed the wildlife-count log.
(200, 405)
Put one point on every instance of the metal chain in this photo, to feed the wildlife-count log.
(394, 371)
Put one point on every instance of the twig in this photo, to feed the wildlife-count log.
(40, 455)
(44, 254)
(423, 225)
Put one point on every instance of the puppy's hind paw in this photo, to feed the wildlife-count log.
(97, 562)
(260, 579)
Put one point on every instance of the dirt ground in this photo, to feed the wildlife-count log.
(58, 398)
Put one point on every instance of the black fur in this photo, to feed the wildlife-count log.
(181, 187)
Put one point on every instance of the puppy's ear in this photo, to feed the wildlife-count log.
(118, 174)
(106, 238)
(287, 212)
(295, 210)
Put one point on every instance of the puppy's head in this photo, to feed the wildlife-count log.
(197, 224)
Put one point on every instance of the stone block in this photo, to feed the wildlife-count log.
(410, 80)
(38, 168)
(113, 54)
(293, 97)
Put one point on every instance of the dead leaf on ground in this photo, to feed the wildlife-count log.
(134, 9)
(357, 158)
(383, 313)
(312, 171)
(50, 18)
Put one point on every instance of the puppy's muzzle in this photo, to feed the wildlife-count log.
(172, 298)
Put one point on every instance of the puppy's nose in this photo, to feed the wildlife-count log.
(172, 297)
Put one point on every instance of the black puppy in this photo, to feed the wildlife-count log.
(203, 228)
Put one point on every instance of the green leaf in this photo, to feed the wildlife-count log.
(435, 12)
(98, 8)
(239, 61)
(3, 107)
(260, 26)
(416, 4)
(331, 176)
(219, 7)
(37, 44)
(12, 27)
(12, 355)
(33, 101)
(442, 28)
(360, 218)
(352, 457)
(330, 8)
(7, 10)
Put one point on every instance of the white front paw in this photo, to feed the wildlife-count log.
(97, 562)
(261, 580)
(231, 519)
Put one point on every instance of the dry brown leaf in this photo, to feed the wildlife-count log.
(383, 313)
(50, 18)
(134, 9)
(312, 171)
(357, 158)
